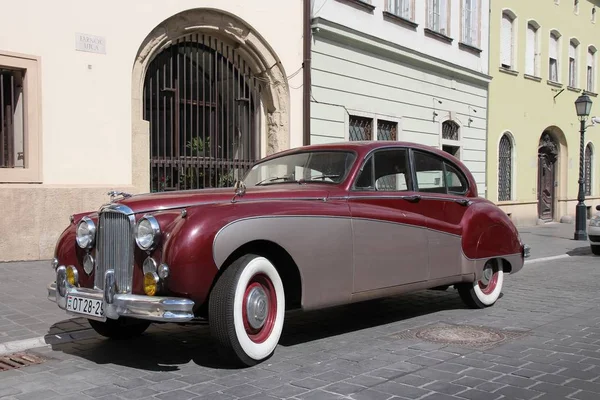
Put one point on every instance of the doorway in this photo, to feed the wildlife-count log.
(547, 161)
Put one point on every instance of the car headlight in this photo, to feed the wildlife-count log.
(86, 233)
(595, 222)
(147, 233)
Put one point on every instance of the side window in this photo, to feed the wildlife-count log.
(429, 170)
(391, 170)
(456, 182)
(365, 177)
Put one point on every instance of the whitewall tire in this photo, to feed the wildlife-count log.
(486, 291)
(247, 309)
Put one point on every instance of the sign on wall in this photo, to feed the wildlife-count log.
(90, 43)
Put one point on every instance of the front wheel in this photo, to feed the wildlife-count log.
(122, 328)
(484, 292)
(247, 308)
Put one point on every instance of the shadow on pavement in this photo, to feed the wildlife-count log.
(166, 346)
(580, 251)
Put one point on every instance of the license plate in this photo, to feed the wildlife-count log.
(81, 305)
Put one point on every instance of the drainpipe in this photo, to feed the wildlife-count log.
(306, 85)
(487, 111)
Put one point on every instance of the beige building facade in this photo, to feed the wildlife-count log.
(544, 56)
(136, 96)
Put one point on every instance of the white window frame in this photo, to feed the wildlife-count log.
(512, 52)
(32, 108)
(374, 117)
(443, 12)
(534, 52)
(456, 143)
(576, 7)
(594, 12)
(573, 63)
(401, 8)
(558, 55)
(513, 166)
(470, 23)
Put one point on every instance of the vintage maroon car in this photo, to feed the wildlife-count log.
(307, 228)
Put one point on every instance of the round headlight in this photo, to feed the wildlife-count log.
(86, 232)
(147, 233)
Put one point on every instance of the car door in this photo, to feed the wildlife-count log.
(439, 184)
(389, 241)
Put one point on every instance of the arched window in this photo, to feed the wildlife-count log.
(589, 154)
(553, 59)
(507, 40)
(505, 169)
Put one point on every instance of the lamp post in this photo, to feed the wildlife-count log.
(583, 106)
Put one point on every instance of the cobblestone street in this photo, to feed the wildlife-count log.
(548, 316)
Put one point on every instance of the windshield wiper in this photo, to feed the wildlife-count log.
(275, 178)
(314, 178)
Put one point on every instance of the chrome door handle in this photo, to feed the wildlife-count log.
(413, 199)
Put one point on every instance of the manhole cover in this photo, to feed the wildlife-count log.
(476, 337)
(18, 360)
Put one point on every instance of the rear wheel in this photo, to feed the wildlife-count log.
(247, 308)
(122, 328)
(484, 292)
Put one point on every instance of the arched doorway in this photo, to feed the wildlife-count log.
(202, 103)
(548, 153)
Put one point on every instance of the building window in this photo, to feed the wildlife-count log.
(451, 138)
(507, 41)
(594, 15)
(401, 8)
(361, 128)
(553, 63)
(505, 169)
(19, 119)
(591, 69)
(573, 47)
(387, 130)
(532, 62)
(588, 163)
(576, 6)
(470, 22)
(438, 16)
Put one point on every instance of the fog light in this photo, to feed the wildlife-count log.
(72, 275)
(149, 265)
(150, 283)
(88, 264)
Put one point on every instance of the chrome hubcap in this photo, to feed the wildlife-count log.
(256, 307)
(487, 276)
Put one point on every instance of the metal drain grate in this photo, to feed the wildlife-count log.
(18, 360)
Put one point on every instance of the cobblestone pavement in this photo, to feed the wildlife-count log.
(363, 351)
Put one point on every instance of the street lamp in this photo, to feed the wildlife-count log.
(583, 106)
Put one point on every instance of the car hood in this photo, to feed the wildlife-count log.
(179, 199)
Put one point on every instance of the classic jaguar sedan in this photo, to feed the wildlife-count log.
(308, 228)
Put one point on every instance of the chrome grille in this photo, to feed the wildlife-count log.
(115, 250)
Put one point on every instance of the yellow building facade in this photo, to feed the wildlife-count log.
(544, 55)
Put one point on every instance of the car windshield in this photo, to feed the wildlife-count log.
(304, 167)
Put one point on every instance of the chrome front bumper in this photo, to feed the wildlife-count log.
(163, 309)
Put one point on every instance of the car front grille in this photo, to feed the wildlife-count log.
(115, 250)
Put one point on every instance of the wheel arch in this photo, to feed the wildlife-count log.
(282, 260)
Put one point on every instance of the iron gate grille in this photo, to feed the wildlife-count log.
(504, 169)
(588, 170)
(450, 130)
(361, 128)
(202, 103)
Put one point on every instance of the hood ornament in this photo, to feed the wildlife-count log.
(240, 190)
(114, 193)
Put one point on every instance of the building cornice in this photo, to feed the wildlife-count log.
(335, 31)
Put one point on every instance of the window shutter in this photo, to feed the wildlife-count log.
(444, 17)
(530, 60)
(590, 59)
(506, 41)
(571, 50)
(475, 33)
